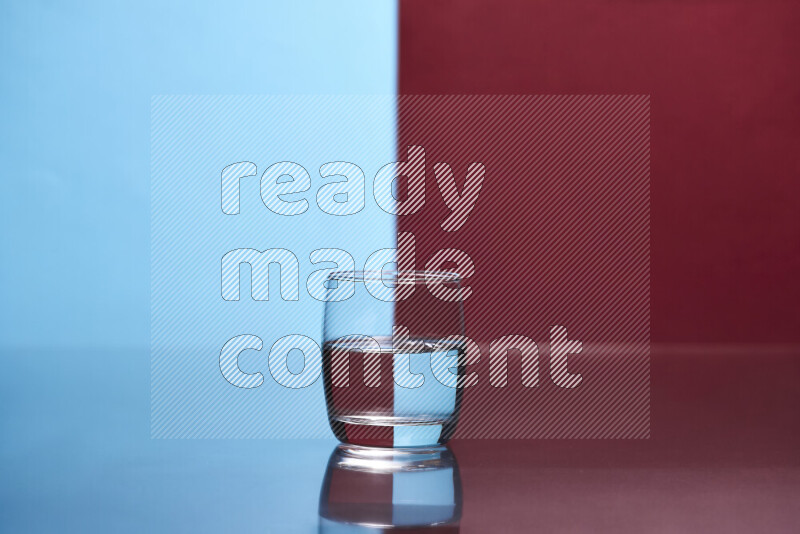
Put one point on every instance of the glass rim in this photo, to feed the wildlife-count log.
(396, 277)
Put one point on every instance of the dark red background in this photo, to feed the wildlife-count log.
(724, 80)
(725, 136)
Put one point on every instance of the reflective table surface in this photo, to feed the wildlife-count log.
(722, 457)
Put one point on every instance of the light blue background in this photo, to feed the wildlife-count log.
(76, 87)
(75, 143)
(194, 139)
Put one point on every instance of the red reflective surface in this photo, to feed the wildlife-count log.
(722, 457)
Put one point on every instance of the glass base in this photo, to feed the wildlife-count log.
(392, 420)
(395, 432)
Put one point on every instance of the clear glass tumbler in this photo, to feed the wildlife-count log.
(393, 357)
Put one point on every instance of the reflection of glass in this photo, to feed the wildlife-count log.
(392, 357)
(370, 489)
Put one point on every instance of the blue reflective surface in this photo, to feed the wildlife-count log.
(77, 457)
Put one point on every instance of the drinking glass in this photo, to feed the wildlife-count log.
(393, 357)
